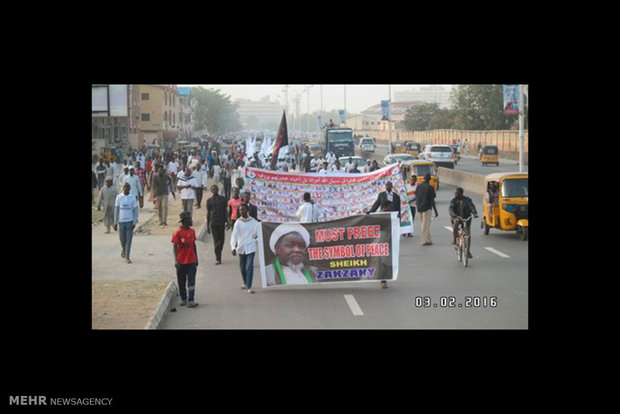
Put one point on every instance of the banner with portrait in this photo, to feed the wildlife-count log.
(278, 195)
(511, 99)
(361, 248)
(385, 110)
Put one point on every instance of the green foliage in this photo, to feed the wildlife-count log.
(473, 107)
(214, 111)
(479, 107)
(418, 117)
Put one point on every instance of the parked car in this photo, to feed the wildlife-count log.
(367, 144)
(441, 155)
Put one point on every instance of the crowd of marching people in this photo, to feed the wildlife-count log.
(124, 186)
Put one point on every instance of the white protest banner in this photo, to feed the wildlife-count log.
(278, 195)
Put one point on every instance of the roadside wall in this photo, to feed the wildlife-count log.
(470, 182)
(506, 141)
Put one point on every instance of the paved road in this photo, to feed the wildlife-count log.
(469, 163)
(429, 271)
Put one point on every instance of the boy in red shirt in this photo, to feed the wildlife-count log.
(185, 259)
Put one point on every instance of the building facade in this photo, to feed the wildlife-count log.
(263, 114)
(439, 94)
(159, 115)
(113, 116)
(372, 117)
(186, 107)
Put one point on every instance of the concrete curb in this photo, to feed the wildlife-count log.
(164, 306)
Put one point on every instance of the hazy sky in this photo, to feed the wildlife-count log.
(358, 97)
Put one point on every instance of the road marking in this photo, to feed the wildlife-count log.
(448, 228)
(355, 308)
(497, 252)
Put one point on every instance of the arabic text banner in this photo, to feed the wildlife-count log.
(278, 194)
(355, 249)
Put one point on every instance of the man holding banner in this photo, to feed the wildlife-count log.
(389, 196)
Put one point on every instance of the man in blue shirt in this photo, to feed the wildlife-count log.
(125, 219)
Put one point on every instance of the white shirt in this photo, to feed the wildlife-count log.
(348, 166)
(186, 184)
(199, 175)
(216, 172)
(127, 203)
(122, 179)
(244, 236)
(173, 166)
(390, 196)
(308, 213)
(293, 277)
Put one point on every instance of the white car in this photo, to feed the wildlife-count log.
(367, 144)
(441, 155)
(394, 158)
(356, 159)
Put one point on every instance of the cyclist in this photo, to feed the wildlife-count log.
(463, 207)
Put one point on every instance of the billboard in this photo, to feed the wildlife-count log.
(110, 100)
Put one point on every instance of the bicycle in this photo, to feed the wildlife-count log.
(463, 239)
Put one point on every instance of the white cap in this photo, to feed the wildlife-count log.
(287, 228)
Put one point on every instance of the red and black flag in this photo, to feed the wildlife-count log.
(281, 140)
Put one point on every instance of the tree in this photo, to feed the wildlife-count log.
(214, 111)
(417, 117)
(479, 107)
(443, 119)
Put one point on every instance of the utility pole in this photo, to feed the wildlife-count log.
(345, 105)
(320, 126)
(390, 119)
(308, 101)
(521, 127)
(297, 98)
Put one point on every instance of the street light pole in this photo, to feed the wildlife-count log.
(521, 128)
(390, 119)
(308, 100)
(345, 105)
(321, 107)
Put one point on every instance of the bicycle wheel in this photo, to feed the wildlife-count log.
(465, 250)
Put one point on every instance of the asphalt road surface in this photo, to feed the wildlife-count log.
(457, 297)
(470, 164)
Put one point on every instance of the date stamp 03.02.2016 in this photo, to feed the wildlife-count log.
(454, 302)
